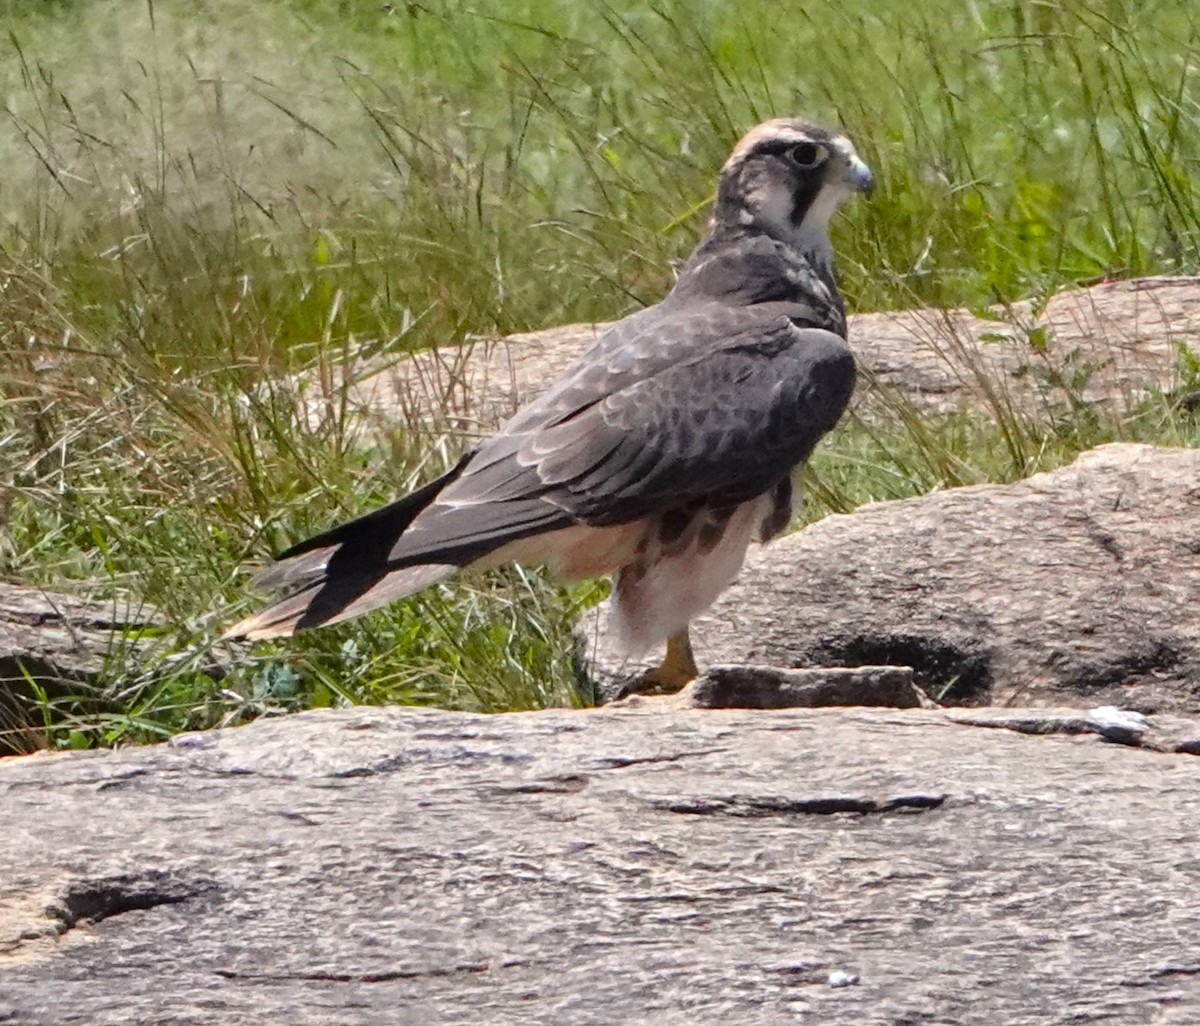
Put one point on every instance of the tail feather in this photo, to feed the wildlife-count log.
(376, 532)
(345, 572)
(334, 599)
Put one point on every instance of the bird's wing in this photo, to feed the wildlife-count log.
(723, 430)
(714, 404)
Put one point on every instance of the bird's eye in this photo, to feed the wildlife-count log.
(806, 155)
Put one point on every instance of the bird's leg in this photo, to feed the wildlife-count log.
(677, 668)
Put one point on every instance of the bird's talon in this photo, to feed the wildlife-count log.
(677, 670)
(651, 683)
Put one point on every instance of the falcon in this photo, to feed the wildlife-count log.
(663, 450)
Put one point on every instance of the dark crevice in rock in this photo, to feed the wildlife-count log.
(1104, 540)
(1176, 970)
(386, 976)
(1107, 542)
(455, 755)
(942, 670)
(757, 806)
(567, 784)
(388, 765)
(621, 762)
(1165, 972)
(90, 901)
(298, 817)
(121, 780)
(96, 783)
(800, 973)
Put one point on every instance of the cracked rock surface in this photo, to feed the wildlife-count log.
(1080, 586)
(645, 863)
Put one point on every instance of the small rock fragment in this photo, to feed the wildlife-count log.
(773, 687)
(1107, 718)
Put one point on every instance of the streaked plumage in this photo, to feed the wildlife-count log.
(664, 449)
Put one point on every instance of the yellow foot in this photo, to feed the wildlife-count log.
(677, 669)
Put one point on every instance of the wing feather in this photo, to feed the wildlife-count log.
(722, 430)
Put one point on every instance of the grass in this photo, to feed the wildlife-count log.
(203, 200)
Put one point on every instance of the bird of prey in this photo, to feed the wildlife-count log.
(662, 452)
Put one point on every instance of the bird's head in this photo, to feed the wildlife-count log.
(787, 178)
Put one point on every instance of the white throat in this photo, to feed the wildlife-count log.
(771, 209)
(812, 236)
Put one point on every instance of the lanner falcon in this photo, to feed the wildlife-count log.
(664, 449)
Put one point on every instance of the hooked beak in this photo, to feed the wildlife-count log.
(859, 178)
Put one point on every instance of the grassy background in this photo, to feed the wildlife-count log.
(203, 198)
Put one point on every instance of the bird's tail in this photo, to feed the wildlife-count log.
(345, 572)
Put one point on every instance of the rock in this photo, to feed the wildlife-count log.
(56, 637)
(481, 383)
(634, 864)
(770, 687)
(62, 644)
(1112, 342)
(1079, 586)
